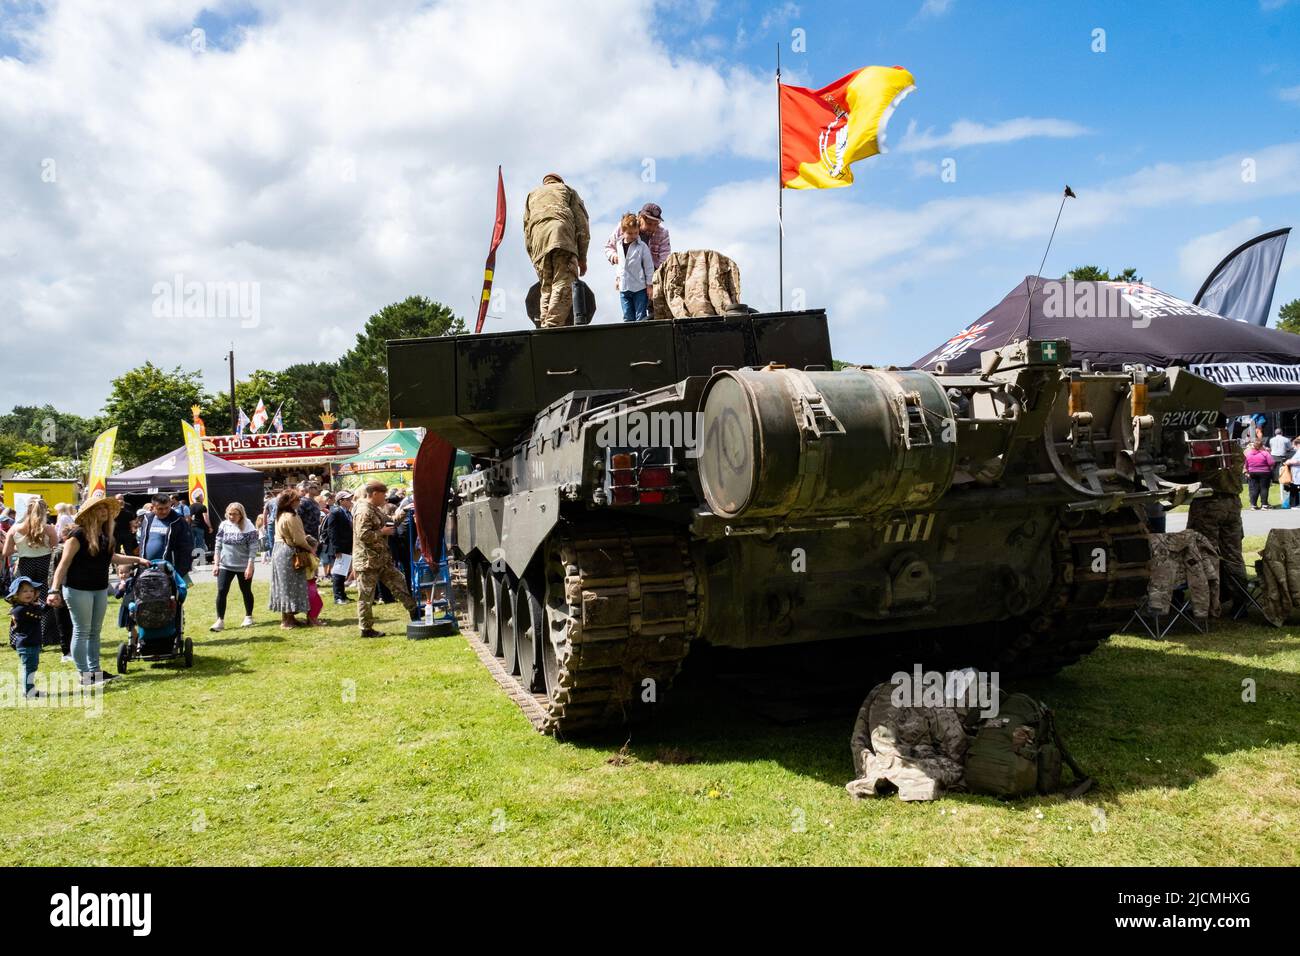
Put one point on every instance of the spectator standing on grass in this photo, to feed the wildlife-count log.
(1279, 446)
(1259, 472)
(81, 581)
(1291, 471)
(337, 530)
(372, 529)
(289, 595)
(26, 627)
(201, 521)
(233, 560)
(165, 536)
(124, 529)
(33, 542)
(309, 509)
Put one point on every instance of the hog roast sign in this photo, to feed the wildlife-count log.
(321, 444)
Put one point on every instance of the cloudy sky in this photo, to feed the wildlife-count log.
(332, 157)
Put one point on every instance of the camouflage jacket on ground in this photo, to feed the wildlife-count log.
(369, 543)
(555, 218)
(1184, 557)
(921, 751)
(1279, 573)
(698, 282)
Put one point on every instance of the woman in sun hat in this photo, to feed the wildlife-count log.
(81, 581)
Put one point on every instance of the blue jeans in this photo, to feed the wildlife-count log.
(29, 658)
(87, 609)
(635, 305)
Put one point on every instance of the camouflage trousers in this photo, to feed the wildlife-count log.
(367, 580)
(558, 273)
(1219, 519)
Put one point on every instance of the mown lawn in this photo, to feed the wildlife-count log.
(316, 747)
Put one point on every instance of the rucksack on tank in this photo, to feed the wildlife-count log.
(155, 598)
(1016, 753)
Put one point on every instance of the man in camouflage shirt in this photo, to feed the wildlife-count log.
(557, 232)
(371, 559)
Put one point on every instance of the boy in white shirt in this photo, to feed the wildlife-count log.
(635, 277)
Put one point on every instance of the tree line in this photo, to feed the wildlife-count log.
(148, 402)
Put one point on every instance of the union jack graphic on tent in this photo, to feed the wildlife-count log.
(960, 343)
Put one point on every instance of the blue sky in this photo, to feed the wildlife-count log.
(340, 155)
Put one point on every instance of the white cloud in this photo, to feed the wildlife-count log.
(340, 155)
(1198, 256)
(1290, 94)
(967, 133)
(935, 8)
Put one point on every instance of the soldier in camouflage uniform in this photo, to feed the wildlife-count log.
(556, 234)
(1218, 517)
(921, 751)
(371, 559)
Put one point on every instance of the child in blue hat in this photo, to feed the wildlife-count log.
(25, 628)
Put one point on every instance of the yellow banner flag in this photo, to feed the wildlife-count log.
(194, 454)
(101, 463)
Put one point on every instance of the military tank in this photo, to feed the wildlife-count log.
(640, 489)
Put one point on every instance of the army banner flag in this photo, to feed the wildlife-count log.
(489, 268)
(101, 463)
(198, 480)
(823, 132)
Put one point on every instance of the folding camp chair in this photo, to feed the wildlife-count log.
(1247, 595)
(1159, 625)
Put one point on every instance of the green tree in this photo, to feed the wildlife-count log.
(21, 455)
(148, 405)
(297, 391)
(1288, 317)
(362, 379)
(307, 384)
(1097, 274)
(66, 435)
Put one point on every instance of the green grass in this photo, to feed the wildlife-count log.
(258, 756)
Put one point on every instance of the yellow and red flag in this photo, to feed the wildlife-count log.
(198, 478)
(101, 463)
(823, 132)
(498, 230)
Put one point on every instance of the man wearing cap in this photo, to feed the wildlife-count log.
(653, 233)
(338, 532)
(556, 235)
(371, 529)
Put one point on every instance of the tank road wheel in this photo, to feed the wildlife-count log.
(530, 624)
(506, 612)
(489, 610)
(496, 596)
(474, 595)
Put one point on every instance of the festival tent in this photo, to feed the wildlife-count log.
(227, 481)
(1113, 324)
(390, 460)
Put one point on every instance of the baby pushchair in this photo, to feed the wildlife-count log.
(155, 617)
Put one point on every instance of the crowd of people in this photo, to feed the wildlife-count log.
(1276, 460)
(557, 233)
(56, 573)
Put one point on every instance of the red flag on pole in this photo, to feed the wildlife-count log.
(498, 230)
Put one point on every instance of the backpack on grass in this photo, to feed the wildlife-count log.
(1018, 752)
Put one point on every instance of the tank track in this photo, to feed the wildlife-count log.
(1084, 606)
(620, 605)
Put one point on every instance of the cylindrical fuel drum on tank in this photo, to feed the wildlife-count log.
(780, 442)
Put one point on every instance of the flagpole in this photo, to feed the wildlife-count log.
(780, 194)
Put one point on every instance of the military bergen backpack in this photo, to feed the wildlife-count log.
(1016, 753)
